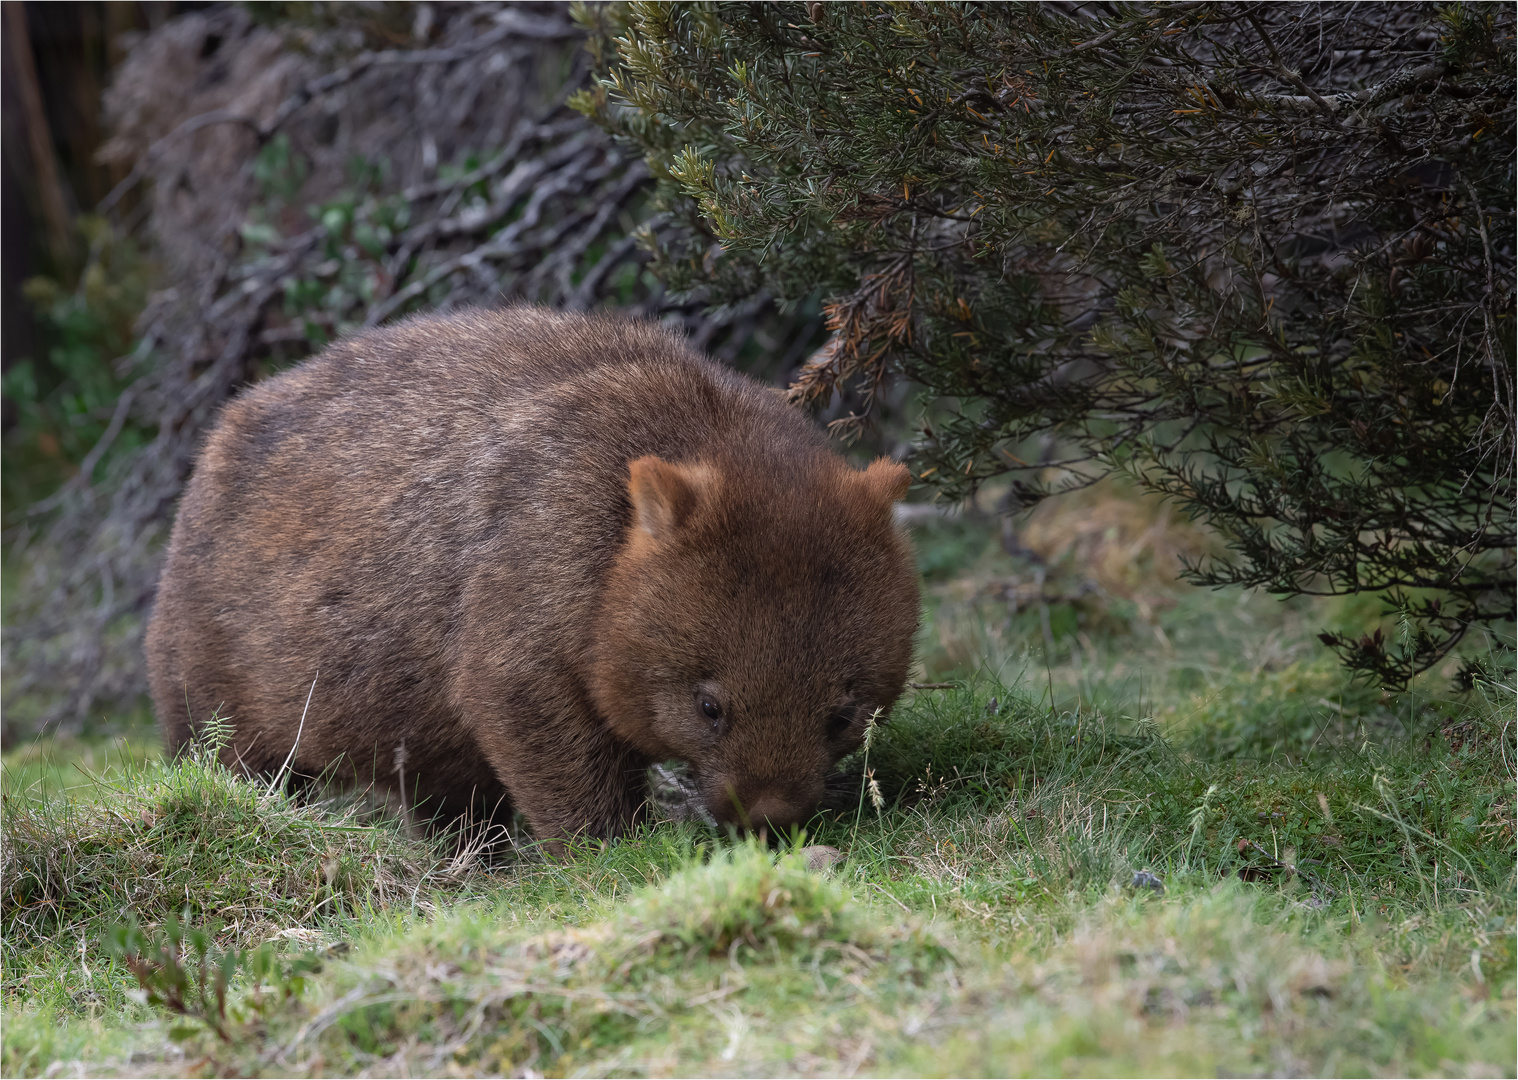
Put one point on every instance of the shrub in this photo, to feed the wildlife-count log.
(1259, 258)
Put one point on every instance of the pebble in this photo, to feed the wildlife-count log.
(820, 857)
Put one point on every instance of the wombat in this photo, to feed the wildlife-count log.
(521, 555)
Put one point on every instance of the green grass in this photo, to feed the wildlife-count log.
(1224, 860)
(71, 768)
(147, 841)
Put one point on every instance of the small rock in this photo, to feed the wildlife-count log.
(1145, 880)
(820, 857)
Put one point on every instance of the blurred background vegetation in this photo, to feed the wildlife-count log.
(72, 287)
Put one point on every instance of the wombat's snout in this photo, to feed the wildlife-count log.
(771, 807)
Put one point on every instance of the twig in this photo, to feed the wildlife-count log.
(87, 466)
(1097, 41)
(193, 124)
(1287, 74)
(1486, 244)
(1317, 885)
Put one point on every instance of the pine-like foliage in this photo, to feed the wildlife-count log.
(1259, 256)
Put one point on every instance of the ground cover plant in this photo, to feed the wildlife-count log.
(1036, 876)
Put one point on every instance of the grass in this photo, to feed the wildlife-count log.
(146, 841)
(1239, 864)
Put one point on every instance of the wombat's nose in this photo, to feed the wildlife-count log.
(775, 810)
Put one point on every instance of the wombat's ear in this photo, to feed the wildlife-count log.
(888, 480)
(664, 494)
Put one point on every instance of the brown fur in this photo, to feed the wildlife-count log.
(520, 551)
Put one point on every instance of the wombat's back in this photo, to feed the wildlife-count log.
(344, 516)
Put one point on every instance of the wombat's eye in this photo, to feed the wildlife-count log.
(708, 701)
(839, 723)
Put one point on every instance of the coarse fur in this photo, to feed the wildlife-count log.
(521, 555)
